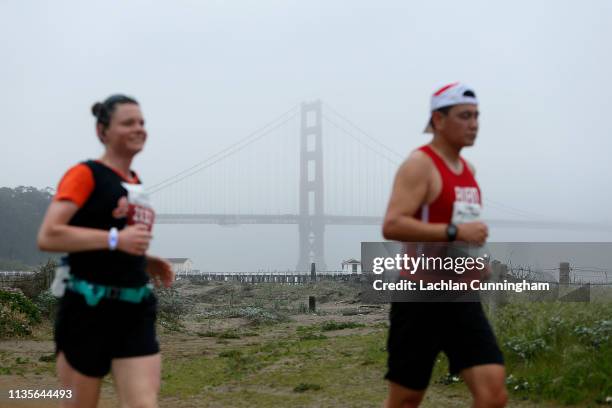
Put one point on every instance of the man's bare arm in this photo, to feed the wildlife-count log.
(408, 195)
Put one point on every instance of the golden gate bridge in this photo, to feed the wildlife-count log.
(310, 166)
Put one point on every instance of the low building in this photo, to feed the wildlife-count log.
(181, 265)
(351, 266)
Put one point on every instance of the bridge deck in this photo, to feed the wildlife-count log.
(239, 219)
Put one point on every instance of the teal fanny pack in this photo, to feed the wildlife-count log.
(94, 292)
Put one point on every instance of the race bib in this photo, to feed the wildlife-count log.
(62, 275)
(465, 212)
(139, 206)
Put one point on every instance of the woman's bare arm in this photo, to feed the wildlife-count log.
(55, 235)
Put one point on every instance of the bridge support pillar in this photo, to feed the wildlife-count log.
(311, 224)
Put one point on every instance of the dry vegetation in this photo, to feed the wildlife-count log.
(239, 345)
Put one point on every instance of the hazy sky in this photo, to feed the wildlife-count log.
(207, 73)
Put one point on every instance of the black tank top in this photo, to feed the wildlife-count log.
(115, 268)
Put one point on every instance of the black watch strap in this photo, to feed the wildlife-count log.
(451, 232)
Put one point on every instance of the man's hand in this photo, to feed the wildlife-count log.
(134, 239)
(160, 271)
(472, 232)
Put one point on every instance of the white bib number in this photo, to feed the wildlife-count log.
(465, 212)
(62, 274)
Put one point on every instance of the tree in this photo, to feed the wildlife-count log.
(21, 212)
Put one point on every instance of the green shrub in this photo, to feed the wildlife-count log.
(525, 348)
(557, 351)
(172, 307)
(171, 304)
(46, 303)
(596, 335)
(17, 314)
(254, 314)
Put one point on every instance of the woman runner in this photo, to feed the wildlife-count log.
(101, 218)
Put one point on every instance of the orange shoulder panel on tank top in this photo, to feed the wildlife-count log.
(76, 185)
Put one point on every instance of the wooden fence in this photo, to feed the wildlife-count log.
(289, 278)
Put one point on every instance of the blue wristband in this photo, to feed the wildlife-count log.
(113, 239)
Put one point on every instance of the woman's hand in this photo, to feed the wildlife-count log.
(160, 271)
(134, 239)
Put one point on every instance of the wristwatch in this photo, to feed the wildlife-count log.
(451, 232)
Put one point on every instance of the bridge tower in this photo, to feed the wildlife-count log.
(311, 219)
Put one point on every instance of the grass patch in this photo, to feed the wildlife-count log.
(170, 323)
(312, 336)
(229, 334)
(302, 387)
(19, 365)
(268, 372)
(306, 333)
(49, 358)
(557, 351)
(554, 352)
(331, 325)
(208, 333)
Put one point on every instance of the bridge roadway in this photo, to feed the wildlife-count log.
(239, 219)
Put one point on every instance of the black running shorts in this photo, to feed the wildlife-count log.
(91, 337)
(419, 331)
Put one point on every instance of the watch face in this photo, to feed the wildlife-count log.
(451, 231)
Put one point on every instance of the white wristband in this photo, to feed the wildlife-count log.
(113, 239)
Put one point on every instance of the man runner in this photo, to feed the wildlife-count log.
(433, 191)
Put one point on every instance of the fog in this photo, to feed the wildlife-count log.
(208, 74)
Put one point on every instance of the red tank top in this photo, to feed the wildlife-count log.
(461, 188)
(459, 194)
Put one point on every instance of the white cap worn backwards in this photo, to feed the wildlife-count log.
(450, 95)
